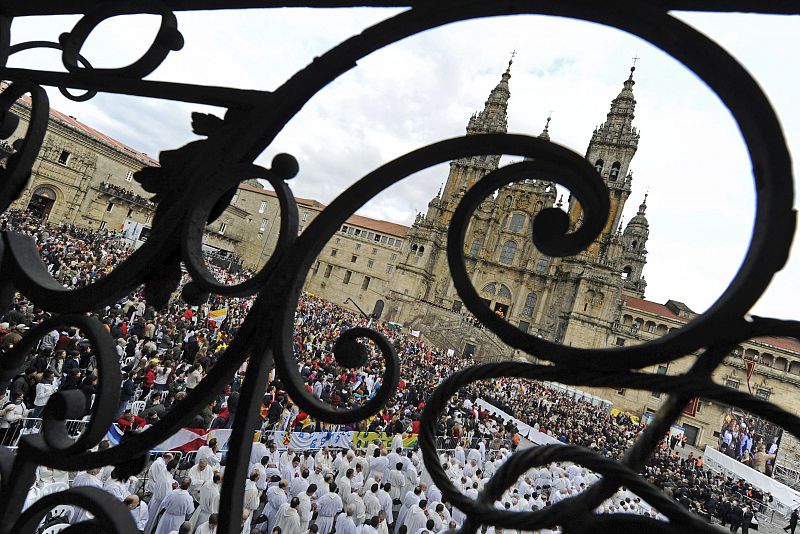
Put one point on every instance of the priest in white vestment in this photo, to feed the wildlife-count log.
(208, 500)
(175, 508)
(288, 518)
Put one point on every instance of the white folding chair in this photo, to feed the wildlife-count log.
(64, 511)
(54, 529)
(137, 407)
(164, 395)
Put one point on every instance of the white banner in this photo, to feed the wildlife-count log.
(786, 496)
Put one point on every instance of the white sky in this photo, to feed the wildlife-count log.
(691, 157)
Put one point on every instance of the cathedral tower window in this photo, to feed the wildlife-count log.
(614, 171)
(504, 292)
(475, 249)
(542, 264)
(508, 253)
(530, 303)
(626, 272)
(517, 222)
(598, 165)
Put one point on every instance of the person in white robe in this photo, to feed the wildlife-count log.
(199, 474)
(175, 508)
(438, 512)
(345, 486)
(139, 511)
(386, 505)
(89, 479)
(251, 500)
(370, 527)
(411, 499)
(371, 503)
(47, 475)
(160, 491)
(299, 484)
(209, 453)
(304, 508)
(208, 500)
(276, 496)
(259, 450)
(157, 472)
(416, 517)
(345, 522)
(383, 525)
(119, 488)
(328, 506)
(288, 518)
(357, 500)
(209, 527)
(397, 479)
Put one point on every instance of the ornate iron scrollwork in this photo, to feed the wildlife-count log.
(194, 184)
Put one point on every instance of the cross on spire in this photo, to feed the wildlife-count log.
(510, 61)
(635, 57)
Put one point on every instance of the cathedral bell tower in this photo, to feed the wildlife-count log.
(634, 255)
(493, 119)
(611, 149)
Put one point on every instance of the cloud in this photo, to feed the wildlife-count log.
(423, 89)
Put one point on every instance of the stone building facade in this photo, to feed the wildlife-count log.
(594, 299)
(570, 300)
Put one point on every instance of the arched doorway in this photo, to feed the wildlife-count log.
(41, 202)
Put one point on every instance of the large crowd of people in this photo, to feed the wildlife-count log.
(357, 490)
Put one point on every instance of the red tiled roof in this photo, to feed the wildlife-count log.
(651, 307)
(308, 202)
(377, 225)
(384, 227)
(75, 124)
(784, 343)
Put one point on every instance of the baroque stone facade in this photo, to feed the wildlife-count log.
(594, 299)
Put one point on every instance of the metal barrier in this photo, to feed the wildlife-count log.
(33, 425)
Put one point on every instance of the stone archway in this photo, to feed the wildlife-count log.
(41, 203)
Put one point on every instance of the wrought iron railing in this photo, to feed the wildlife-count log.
(194, 184)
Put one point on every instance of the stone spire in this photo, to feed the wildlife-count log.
(494, 117)
(618, 127)
(546, 132)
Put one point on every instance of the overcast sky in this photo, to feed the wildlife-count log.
(691, 157)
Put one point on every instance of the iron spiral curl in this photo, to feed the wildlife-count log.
(217, 163)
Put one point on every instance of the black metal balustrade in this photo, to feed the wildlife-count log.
(194, 184)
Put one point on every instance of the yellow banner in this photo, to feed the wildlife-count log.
(363, 439)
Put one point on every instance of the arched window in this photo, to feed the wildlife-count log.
(530, 303)
(626, 272)
(420, 250)
(475, 249)
(504, 292)
(614, 171)
(598, 165)
(517, 222)
(490, 289)
(508, 253)
(46, 192)
(633, 244)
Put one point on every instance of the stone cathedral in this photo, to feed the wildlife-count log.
(571, 300)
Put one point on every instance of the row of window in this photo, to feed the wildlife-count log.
(348, 276)
(371, 236)
(508, 253)
(502, 292)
